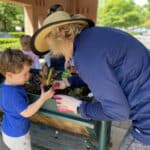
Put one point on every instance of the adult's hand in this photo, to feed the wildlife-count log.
(67, 103)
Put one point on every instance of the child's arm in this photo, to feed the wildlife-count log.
(34, 107)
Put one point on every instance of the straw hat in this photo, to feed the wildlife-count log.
(59, 18)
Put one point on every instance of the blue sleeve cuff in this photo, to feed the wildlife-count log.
(83, 110)
(94, 111)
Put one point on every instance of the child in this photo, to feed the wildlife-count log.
(15, 66)
(25, 43)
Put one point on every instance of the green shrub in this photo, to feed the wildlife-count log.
(10, 45)
(16, 34)
(146, 24)
(9, 42)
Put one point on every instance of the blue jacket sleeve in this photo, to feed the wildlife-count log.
(111, 101)
(76, 81)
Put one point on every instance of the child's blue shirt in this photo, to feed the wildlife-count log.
(13, 100)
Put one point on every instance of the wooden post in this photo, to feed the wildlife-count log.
(30, 19)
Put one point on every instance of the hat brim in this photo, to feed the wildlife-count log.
(38, 42)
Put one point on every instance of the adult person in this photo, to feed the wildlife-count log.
(113, 64)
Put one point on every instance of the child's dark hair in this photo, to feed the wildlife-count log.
(13, 60)
(53, 8)
(25, 40)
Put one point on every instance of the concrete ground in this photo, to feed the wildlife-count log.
(118, 130)
(145, 40)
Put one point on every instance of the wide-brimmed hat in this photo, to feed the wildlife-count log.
(59, 18)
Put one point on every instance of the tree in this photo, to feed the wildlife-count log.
(120, 13)
(11, 16)
(146, 14)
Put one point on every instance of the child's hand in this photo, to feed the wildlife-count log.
(34, 107)
(61, 84)
(48, 94)
(55, 86)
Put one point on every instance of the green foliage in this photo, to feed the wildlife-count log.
(11, 16)
(120, 13)
(146, 15)
(15, 45)
(9, 42)
(16, 34)
(146, 24)
(66, 74)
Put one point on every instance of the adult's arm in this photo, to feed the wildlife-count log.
(111, 102)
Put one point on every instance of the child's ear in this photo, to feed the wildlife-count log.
(9, 74)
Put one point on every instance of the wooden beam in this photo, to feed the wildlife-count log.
(19, 2)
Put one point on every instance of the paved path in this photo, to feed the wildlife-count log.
(145, 40)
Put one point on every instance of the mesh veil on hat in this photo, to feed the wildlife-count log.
(59, 18)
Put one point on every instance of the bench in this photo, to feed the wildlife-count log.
(100, 129)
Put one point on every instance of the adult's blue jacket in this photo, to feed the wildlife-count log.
(116, 68)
